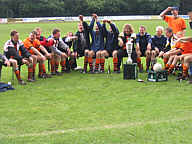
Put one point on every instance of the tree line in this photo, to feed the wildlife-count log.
(60, 8)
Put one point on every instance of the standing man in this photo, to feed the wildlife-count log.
(175, 22)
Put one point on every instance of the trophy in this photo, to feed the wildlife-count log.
(129, 47)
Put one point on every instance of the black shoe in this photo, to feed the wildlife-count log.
(53, 73)
(96, 72)
(182, 78)
(83, 71)
(42, 76)
(21, 82)
(47, 75)
(92, 72)
(102, 71)
(66, 71)
(30, 80)
(58, 73)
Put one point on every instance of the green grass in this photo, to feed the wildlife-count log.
(93, 109)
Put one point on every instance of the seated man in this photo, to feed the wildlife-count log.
(124, 37)
(111, 45)
(69, 40)
(183, 50)
(34, 47)
(173, 55)
(170, 46)
(97, 45)
(44, 49)
(158, 44)
(143, 47)
(82, 46)
(60, 51)
(18, 55)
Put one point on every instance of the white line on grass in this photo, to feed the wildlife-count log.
(117, 126)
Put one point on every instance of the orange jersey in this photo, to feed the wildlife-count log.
(186, 47)
(177, 24)
(28, 44)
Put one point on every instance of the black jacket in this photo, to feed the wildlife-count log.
(111, 37)
(77, 44)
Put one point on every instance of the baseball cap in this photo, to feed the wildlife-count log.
(175, 8)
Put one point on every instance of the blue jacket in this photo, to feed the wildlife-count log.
(97, 39)
(111, 37)
(143, 40)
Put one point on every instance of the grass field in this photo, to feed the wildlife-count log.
(93, 109)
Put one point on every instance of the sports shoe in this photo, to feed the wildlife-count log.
(21, 82)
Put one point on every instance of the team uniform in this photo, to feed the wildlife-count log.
(83, 43)
(17, 52)
(158, 42)
(112, 42)
(143, 41)
(71, 62)
(176, 24)
(58, 47)
(97, 43)
(28, 44)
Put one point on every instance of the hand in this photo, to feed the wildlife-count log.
(68, 52)
(109, 21)
(138, 53)
(74, 37)
(104, 21)
(7, 63)
(95, 16)
(169, 8)
(81, 17)
(24, 61)
(75, 54)
(48, 56)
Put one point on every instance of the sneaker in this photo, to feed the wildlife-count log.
(42, 76)
(102, 71)
(83, 71)
(53, 73)
(47, 75)
(30, 80)
(21, 82)
(182, 78)
(58, 73)
(92, 72)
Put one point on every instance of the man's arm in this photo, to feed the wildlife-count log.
(185, 39)
(92, 22)
(165, 12)
(114, 29)
(105, 32)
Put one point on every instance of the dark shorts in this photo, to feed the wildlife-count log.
(143, 51)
